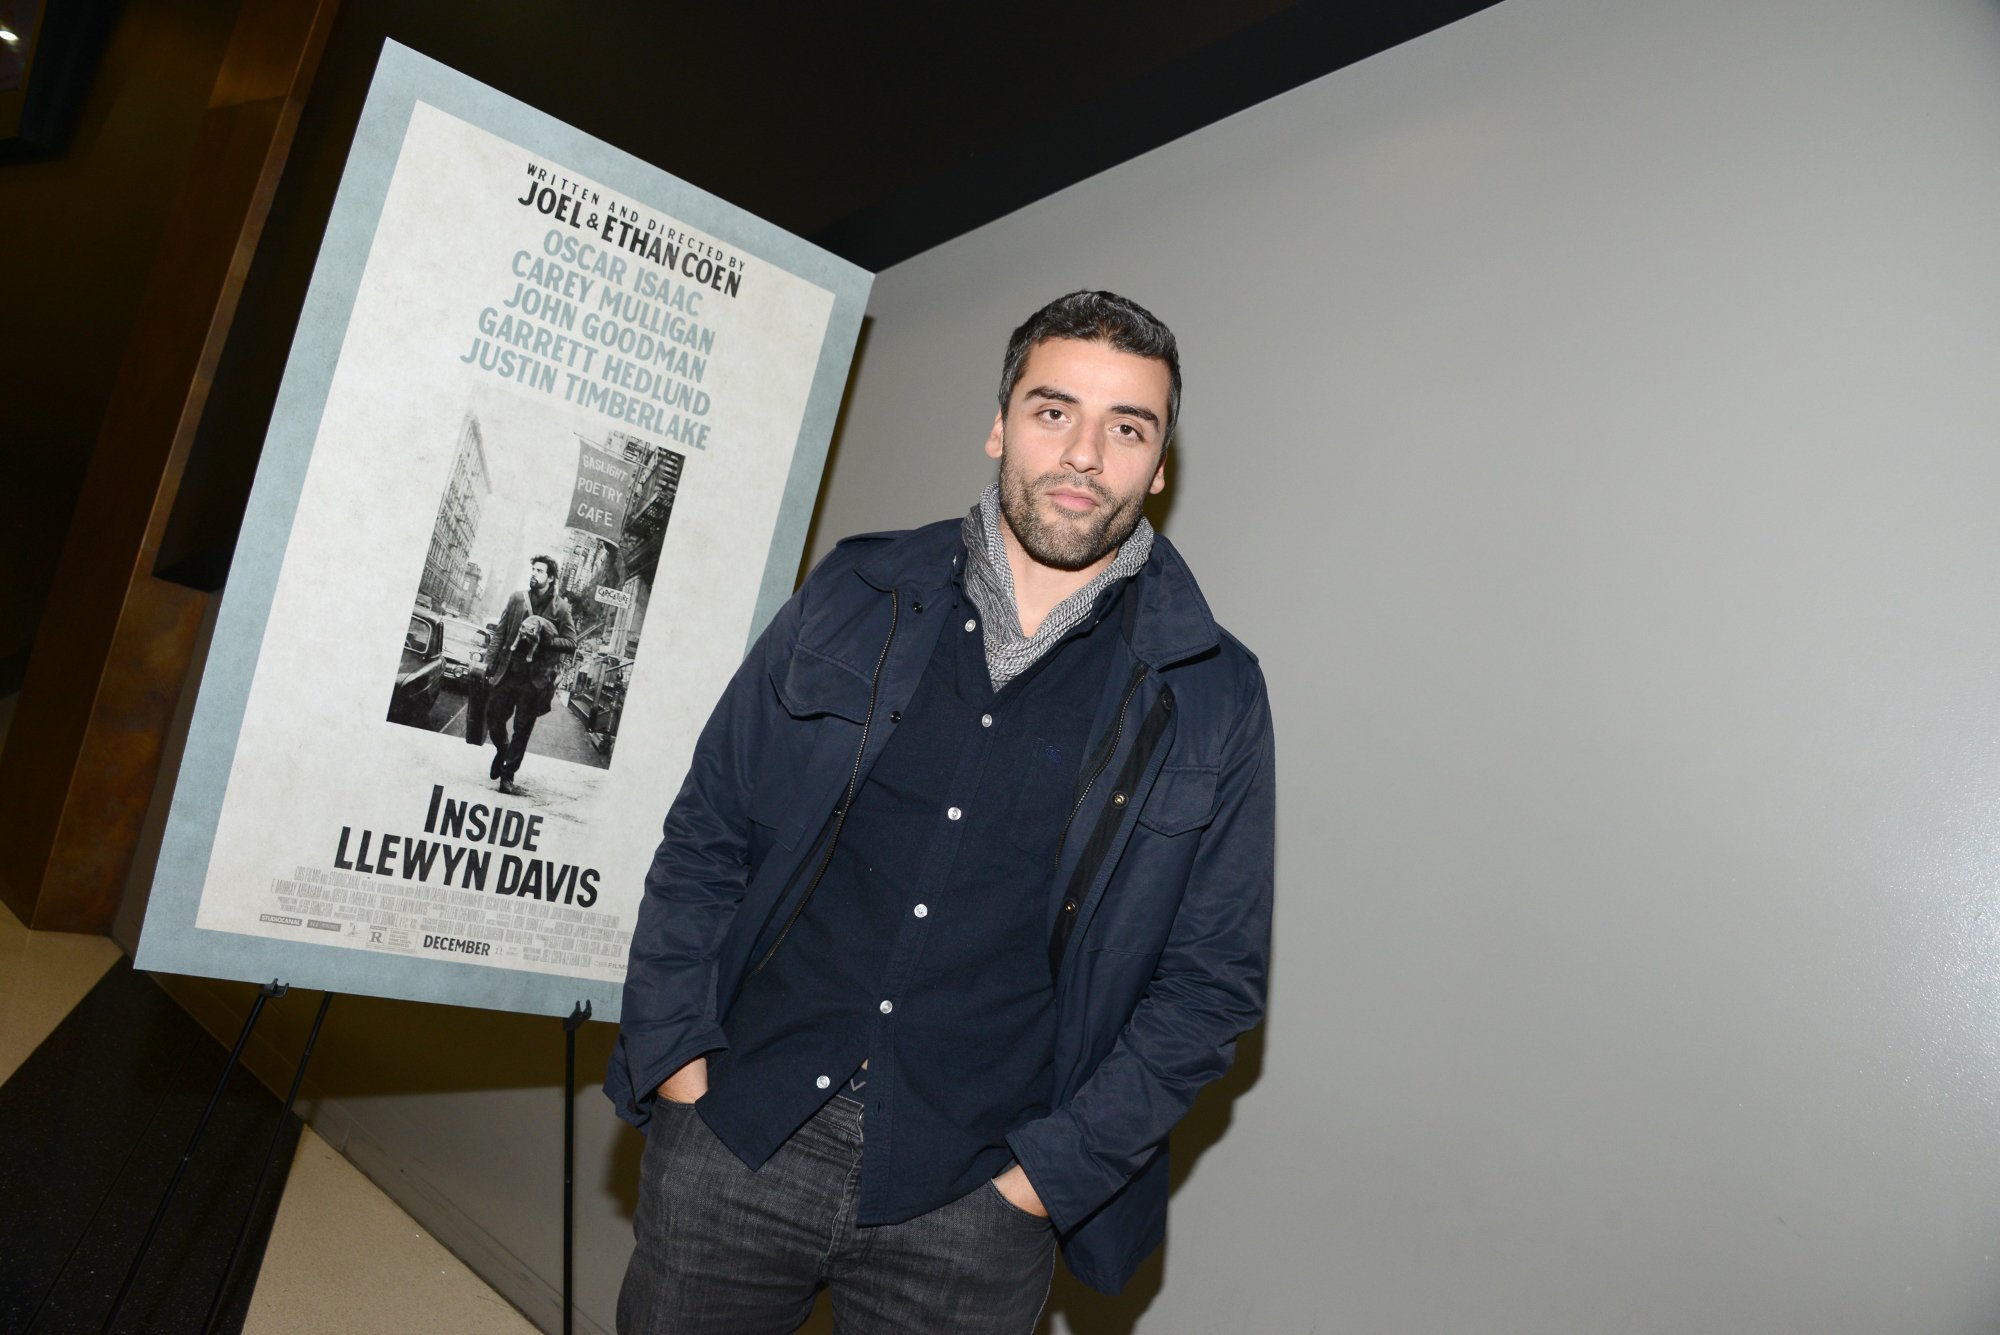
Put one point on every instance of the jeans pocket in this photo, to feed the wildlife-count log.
(1014, 1211)
(666, 1130)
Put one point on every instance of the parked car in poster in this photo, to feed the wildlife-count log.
(420, 675)
(464, 651)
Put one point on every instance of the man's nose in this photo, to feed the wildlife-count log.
(1081, 454)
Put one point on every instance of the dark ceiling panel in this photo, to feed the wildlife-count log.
(1077, 139)
(801, 113)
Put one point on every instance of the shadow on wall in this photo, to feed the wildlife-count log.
(447, 1049)
(1159, 507)
(833, 444)
(453, 1049)
(377, 1046)
(1088, 1310)
(374, 1046)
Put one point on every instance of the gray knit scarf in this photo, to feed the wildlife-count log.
(989, 582)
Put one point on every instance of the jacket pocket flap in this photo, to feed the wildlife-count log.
(813, 685)
(1183, 799)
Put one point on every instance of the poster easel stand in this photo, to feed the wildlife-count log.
(208, 1324)
(578, 1014)
(267, 992)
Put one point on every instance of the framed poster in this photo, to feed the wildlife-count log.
(540, 468)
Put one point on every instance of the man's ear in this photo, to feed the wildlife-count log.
(1159, 474)
(996, 436)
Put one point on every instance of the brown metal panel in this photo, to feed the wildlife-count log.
(113, 653)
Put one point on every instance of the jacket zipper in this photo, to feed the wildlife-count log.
(853, 780)
(1117, 732)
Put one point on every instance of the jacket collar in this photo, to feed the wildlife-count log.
(1173, 624)
(1174, 621)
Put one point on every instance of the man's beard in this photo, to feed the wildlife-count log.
(1067, 546)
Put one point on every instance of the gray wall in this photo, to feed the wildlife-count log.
(1591, 422)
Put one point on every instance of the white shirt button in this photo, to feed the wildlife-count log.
(970, 624)
(985, 720)
(888, 1006)
(922, 910)
(823, 1082)
(953, 813)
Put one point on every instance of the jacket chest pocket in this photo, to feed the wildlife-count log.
(1182, 800)
(1144, 894)
(812, 739)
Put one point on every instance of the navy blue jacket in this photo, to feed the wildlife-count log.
(1162, 939)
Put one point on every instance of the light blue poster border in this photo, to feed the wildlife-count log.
(170, 941)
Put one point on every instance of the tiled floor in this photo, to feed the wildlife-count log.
(342, 1256)
(42, 977)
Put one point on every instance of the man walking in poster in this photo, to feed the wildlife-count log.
(533, 634)
(965, 898)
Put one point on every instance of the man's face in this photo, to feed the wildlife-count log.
(538, 577)
(1080, 449)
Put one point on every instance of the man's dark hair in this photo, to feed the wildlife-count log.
(555, 571)
(1097, 317)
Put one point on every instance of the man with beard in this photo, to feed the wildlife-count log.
(965, 897)
(534, 632)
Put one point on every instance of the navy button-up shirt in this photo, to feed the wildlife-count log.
(924, 950)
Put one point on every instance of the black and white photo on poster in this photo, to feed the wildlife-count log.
(530, 607)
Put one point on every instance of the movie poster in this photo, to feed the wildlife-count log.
(540, 468)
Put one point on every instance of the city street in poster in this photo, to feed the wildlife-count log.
(540, 468)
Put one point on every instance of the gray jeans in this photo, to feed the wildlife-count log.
(727, 1251)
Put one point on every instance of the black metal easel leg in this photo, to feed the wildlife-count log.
(270, 1153)
(577, 1016)
(272, 989)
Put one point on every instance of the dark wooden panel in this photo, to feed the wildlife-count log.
(114, 649)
